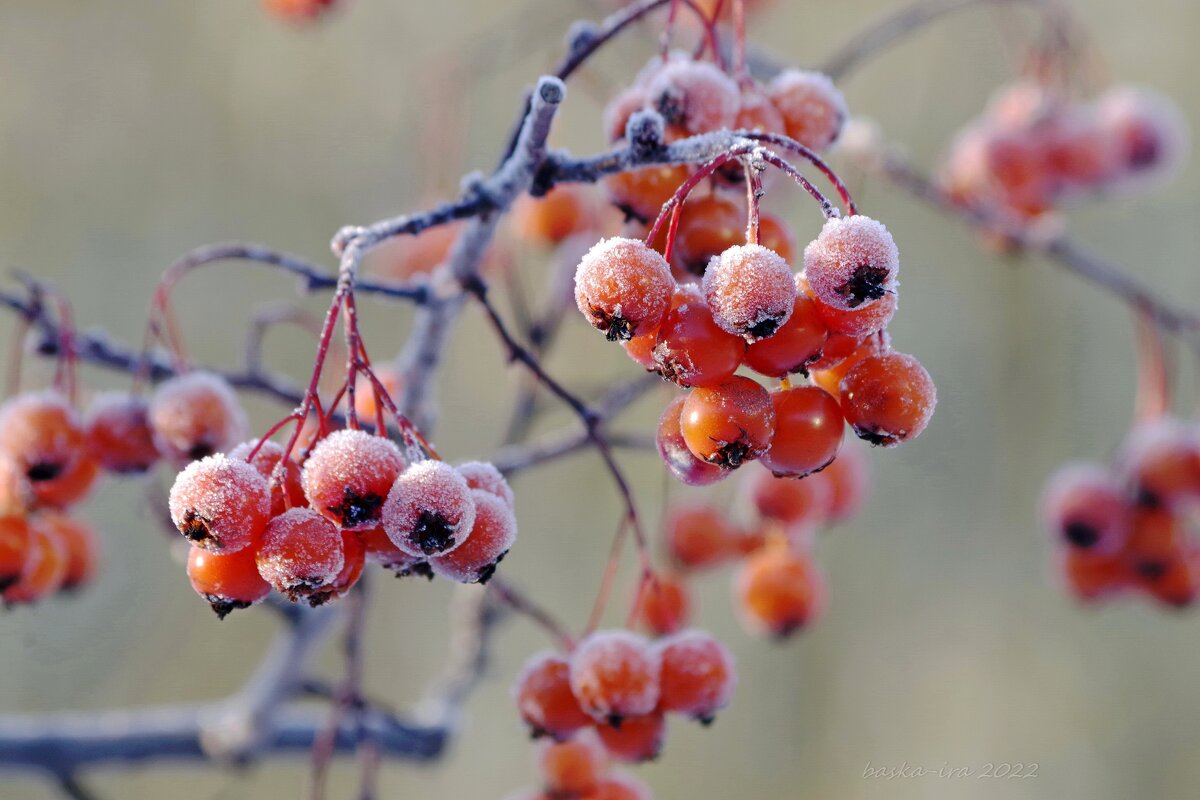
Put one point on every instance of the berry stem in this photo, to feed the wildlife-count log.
(791, 145)
(518, 601)
(1153, 385)
(741, 69)
(754, 193)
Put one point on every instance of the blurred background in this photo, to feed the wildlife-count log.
(133, 131)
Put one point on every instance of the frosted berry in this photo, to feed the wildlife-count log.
(484, 475)
(1083, 506)
(227, 582)
(852, 262)
(288, 491)
(194, 415)
(730, 424)
(750, 291)
(544, 698)
(42, 434)
(813, 109)
(636, 739)
(431, 509)
(1160, 459)
(888, 398)
(118, 432)
(348, 476)
(708, 225)
(220, 504)
(302, 553)
(14, 545)
(797, 343)
(1150, 132)
(614, 674)
(694, 96)
(44, 569)
(698, 675)
(491, 536)
(623, 288)
(380, 550)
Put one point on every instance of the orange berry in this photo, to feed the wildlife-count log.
(288, 492)
(750, 291)
(862, 321)
(45, 567)
(16, 493)
(79, 545)
(42, 434)
(730, 424)
(365, 405)
(1092, 576)
(837, 348)
(708, 225)
(1156, 537)
(796, 344)
(663, 604)
(812, 108)
(808, 432)
(849, 479)
(227, 582)
(220, 504)
(793, 501)
(620, 109)
(674, 452)
(431, 510)
(492, 535)
(852, 263)
(1178, 584)
(118, 433)
(888, 398)
(348, 476)
(544, 698)
(692, 350)
(1161, 459)
(623, 287)
(779, 591)
(636, 739)
(641, 192)
(831, 379)
(694, 96)
(380, 550)
(548, 220)
(572, 768)
(70, 487)
(1083, 506)
(698, 675)
(194, 415)
(14, 547)
(699, 537)
(354, 560)
(775, 234)
(302, 554)
(757, 113)
(614, 674)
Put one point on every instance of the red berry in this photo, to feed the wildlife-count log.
(220, 504)
(837, 349)
(694, 96)
(796, 344)
(853, 262)
(227, 582)
(775, 234)
(849, 479)
(663, 604)
(793, 501)
(380, 550)
(298, 10)
(614, 675)
(757, 113)
(620, 786)
(195, 415)
(1093, 576)
(302, 554)
(14, 546)
(1161, 459)
(288, 492)
(45, 567)
(1083, 506)
(730, 424)
(16, 493)
(708, 225)
(544, 698)
(492, 535)
(636, 739)
(79, 545)
(430, 509)
(563, 211)
(42, 434)
(623, 288)
(483, 475)
(831, 379)
(348, 476)
(699, 537)
(812, 108)
(808, 431)
(888, 398)
(674, 452)
(779, 591)
(698, 675)
(118, 433)
(572, 768)
(692, 350)
(750, 291)
(1156, 538)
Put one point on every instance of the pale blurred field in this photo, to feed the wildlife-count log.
(131, 131)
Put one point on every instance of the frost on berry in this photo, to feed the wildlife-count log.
(698, 675)
(1083, 506)
(220, 504)
(42, 434)
(750, 290)
(430, 509)
(852, 262)
(301, 553)
(694, 96)
(484, 475)
(615, 674)
(348, 477)
(543, 696)
(623, 287)
(1160, 461)
(494, 532)
(195, 415)
(286, 491)
(118, 433)
(862, 321)
(1150, 132)
(813, 109)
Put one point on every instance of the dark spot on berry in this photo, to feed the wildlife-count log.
(877, 438)
(672, 106)
(356, 509)
(485, 573)
(9, 580)
(616, 328)
(221, 606)
(433, 533)
(1080, 534)
(763, 329)
(196, 528)
(731, 455)
(706, 719)
(1146, 498)
(614, 721)
(1144, 151)
(1151, 570)
(867, 283)
(201, 450)
(44, 471)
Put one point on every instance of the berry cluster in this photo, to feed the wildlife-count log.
(777, 587)
(580, 769)
(1035, 147)
(259, 519)
(621, 686)
(1127, 525)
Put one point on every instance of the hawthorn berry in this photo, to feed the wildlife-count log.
(636, 739)
(491, 536)
(812, 108)
(354, 560)
(729, 424)
(694, 96)
(380, 550)
(674, 452)
(619, 109)
(302, 554)
(888, 398)
(640, 193)
(194, 415)
(70, 487)
(708, 225)
(699, 536)
(775, 234)
(837, 348)
(1093, 576)
(366, 404)
(545, 700)
(43, 435)
(750, 291)
(757, 113)
(614, 675)
(698, 675)
(571, 768)
(348, 476)
(549, 220)
(692, 350)
(14, 545)
(288, 491)
(798, 342)
(849, 479)
(79, 545)
(44, 569)
(779, 591)
(1160, 459)
(863, 321)
(484, 476)
(793, 501)
(1178, 584)
(831, 379)
(431, 509)
(623, 287)
(220, 504)
(118, 433)
(1083, 506)
(808, 432)
(1156, 537)
(227, 582)
(853, 262)
(16, 493)
(1150, 133)
(663, 604)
